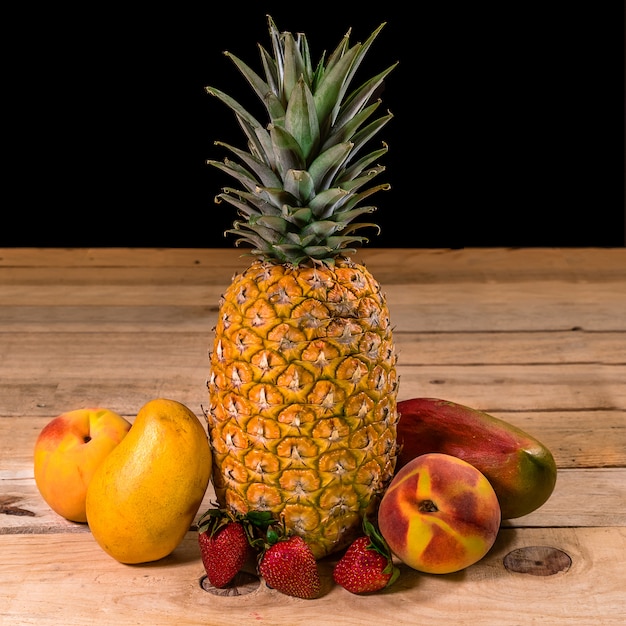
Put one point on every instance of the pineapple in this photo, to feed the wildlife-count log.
(303, 382)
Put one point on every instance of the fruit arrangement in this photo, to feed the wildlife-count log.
(137, 486)
(303, 421)
(309, 450)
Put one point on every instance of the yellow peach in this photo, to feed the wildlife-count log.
(439, 514)
(68, 451)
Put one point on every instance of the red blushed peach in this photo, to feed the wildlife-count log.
(68, 451)
(439, 514)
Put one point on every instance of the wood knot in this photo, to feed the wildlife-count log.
(241, 585)
(537, 561)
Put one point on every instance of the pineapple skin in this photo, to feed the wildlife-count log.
(303, 393)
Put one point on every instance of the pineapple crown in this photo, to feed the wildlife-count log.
(302, 187)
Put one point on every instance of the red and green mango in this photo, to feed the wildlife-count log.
(520, 468)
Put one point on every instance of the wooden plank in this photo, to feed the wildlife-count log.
(511, 346)
(496, 264)
(24, 511)
(472, 308)
(549, 306)
(117, 276)
(158, 258)
(521, 387)
(39, 587)
(576, 437)
(573, 438)
(500, 388)
(603, 492)
(603, 489)
(174, 346)
(418, 265)
(109, 319)
(575, 442)
(435, 320)
(44, 374)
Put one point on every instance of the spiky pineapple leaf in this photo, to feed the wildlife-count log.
(245, 209)
(344, 133)
(353, 184)
(361, 51)
(238, 172)
(330, 87)
(324, 203)
(297, 216)
(277, 197)
(293, 68)
(328, 163)
(301, 120)
(352, 172)
(263, 172)
(258, 138)
(287, 150)
(361, 97)
(300, 184)
(274, 106)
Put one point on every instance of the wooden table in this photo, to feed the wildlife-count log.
(534, 336)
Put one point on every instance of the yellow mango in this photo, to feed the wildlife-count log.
(143, 497)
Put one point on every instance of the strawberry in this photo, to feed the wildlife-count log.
(367, 564)
(288, 565)
(224, 547)
(225, 541)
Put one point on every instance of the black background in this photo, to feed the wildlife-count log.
(508, 124)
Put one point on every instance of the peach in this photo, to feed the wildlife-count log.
(68, 451)
(439, 514)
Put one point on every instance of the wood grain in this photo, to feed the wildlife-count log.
(533, 336)
(65, 578)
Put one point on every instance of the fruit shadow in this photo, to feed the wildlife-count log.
(186, 552)
(492, 563)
